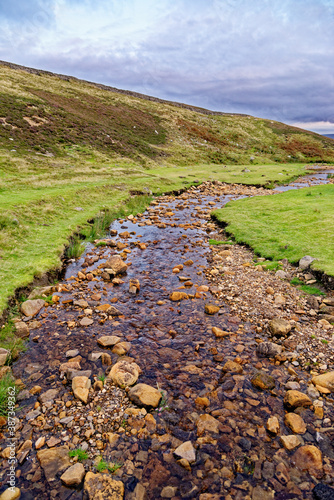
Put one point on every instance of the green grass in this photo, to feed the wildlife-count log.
(8, 339)
(270, 265)
(8, 391)
(311, 290)
(103, 465)
(287, 225)
(82, 455)
(216, 242)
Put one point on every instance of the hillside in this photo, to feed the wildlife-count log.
(53, 115)
(71, 150)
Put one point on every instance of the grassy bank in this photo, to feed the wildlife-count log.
(287, 225)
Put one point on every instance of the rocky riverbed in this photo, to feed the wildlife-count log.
(180, 370)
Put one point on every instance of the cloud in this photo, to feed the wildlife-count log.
(266, 58)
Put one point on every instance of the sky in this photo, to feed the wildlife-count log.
(267, 58)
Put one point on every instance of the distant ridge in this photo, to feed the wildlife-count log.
(119, 91)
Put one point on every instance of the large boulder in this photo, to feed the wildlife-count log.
(268, 350)
(325, 380)
(124, 373)
(74, 475)
(145, 395)
(80, 387)
(294, 399)
(115, 265)
(305, 262)
(32, 307)
(54, 460)
(279, 327)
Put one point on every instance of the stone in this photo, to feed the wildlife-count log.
(268, 350)
(279, 327)
(72, 353)
(259, 493)
(281, 274)
(86, 321)
(273, 425)
(11, 493)
(232, 367)
(48, 396)
(186, 451)
(80, 388)
(295, 423)
(305, 262)
(39, 291)
(263, 381)
(108, 340)
(280, 300)
(325, 380)
(320, 492)
(294, 399)
(121, 348)
(102, 487)
(308, 458)
(145, 395)
(115, 265)
(4, 355)
(124, 373)
(207, 423)
(176, 296)
(73, 475)
(168, 492)
(211, 309)
(21, 329)
(134, 286)
(291, 442)
(81, 303)
(40, 442)
(53, 461)
(32, 307)
(219, 333)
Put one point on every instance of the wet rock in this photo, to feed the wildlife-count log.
(4, 355)
(279, 327)
(186, 451)
(261, 494)
(294, 399)
(32, 307)
(263, 381)
(124, 373)
(176, 296)
(323, 492)
(54, 460)
(115, 265)
(81, 303)
(291, 442)
(295, 422)
(305, 262)
(21, 329)
(86, 321)
(72, 353)
(108, 340)
(188, 490)
(11, 493)
(121, 348)
(211, 308)
(325, 380)
(308, 458)
(145, 395)
(39, 291)
(168, 492)
(40, 442)
(232, 367)
(268, 349)
(80, 388)
(74, 475)
(134, 286)
(219, 333)
(207, 423)
(102, 487)
(48, 396)
(273, 425)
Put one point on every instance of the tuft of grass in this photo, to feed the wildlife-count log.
(216, 242)
(9, 341)
(75, 248)
(270, 265)
(103, 465)
(285, 225)
(311, 290)
(81, 454)
(7, 390)
(324, 341)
